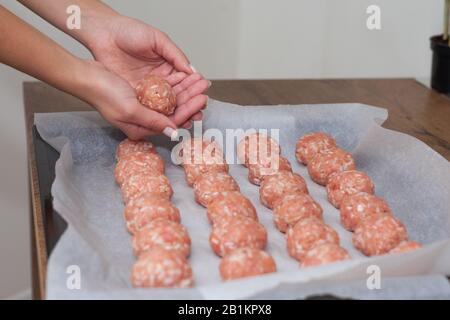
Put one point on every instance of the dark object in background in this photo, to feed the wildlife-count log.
(440, 67)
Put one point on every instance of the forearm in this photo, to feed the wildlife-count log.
(94, 17)
(26, 49)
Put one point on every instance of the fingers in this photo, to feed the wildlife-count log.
(169, 51)
(151, 120)
(193, 90)
(134, 132)
(185, 111)
(196, 117)
(187, 125)
(187, 82)
(175, 78)
(163, 70)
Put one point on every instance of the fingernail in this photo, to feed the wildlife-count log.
(209, 84)
(189, 125)
(171, 133)
(206, 103)
(193, 69)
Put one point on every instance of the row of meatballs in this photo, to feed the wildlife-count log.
(309, 239)
(376, 230)
(237, 236)
(160, 242)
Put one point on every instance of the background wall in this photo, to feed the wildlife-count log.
(225, 39)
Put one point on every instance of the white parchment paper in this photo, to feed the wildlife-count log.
(413, 178)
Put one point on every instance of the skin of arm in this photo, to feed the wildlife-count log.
(29, 51)
(129, 48)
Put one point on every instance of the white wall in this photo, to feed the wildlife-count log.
(329, 38)
(226, 39)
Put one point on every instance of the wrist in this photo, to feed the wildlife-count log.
(84, 81)
(96, 24)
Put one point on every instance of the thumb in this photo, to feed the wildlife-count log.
(154, 121)
(170, 52)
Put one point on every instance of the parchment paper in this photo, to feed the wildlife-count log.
(413, 178)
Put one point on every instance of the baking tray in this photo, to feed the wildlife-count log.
(46, 157)
(54, 224)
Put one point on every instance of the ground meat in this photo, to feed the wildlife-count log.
(276, 186)
(294, 207)
(138, 185)
(347, 183)
(230, 204)
(229, 234)
(256, 172)
(128, 147)
(309, 145)
(377, 235)
(161, 268)
(329, 162)
(211, 184)
(195, 171)
(257, 148)
(406, 246)
(308, 233)
(141, 211)
(246, 262)
(324, 254)
(200, 151)
(138, 163)
(357, 207)
(162, 233)
(156, 93)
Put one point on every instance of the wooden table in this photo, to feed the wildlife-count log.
(413, 109)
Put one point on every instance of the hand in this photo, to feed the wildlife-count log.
(116, 101)
(132, 49)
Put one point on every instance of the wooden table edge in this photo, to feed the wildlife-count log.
(39, 246)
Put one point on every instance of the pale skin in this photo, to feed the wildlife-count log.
(124, 49)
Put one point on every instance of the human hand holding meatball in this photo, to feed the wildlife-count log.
(133, 50)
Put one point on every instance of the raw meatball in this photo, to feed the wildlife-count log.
(138, 163)
(229, 234)
(230, 204)
(309, 145)
(211, 184)
(200, 151)
(128, 147)
(257, 148)
(161, 268)
(162, 233)
(324, 254)
(294, 207)
(138, 185)
(256, 172)
(195, 171)
(141, 211)
(156, 93)
(246, 262)
(276, 186)
(357, 207)
(329, 162)
(377, 235)
(347, 183)
(308, 233)
(406, 246)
